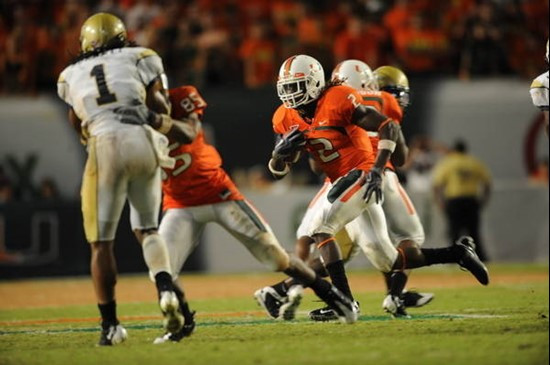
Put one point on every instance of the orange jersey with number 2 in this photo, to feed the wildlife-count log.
(197, 178)
(336, 144)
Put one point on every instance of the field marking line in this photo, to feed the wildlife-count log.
(125, 318)
(363, 318)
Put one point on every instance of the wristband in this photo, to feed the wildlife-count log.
(277, 172)
(386, 144)
(165, 123)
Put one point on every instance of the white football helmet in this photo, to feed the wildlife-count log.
(356, 74)
(301, 80)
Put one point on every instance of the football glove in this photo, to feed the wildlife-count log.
(289, 144)
(374, 185)
(135, 114)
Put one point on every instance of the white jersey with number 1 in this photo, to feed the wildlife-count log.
(95, 86)
(122, 160)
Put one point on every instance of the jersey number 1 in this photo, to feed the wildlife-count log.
(105, 96)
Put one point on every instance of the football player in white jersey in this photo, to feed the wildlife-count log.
(107, 88)
(539, 92)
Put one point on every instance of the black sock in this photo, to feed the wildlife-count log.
(320, 287)
(337, 274)
(163, 281)
(398, 282)
(445, 255)
(280, 288)
(108, 314)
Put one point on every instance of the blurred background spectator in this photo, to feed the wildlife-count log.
(462, 186)
(48, 190)
(212, 43)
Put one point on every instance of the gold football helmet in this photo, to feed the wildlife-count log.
(99, 30)
(394, 81)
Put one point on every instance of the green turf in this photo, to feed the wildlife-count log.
(498, 324)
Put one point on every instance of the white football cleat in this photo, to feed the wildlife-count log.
(169, 305)
(270, 300)
(288, 309)
(113, 335)
(394, 306)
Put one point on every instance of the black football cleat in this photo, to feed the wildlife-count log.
(328, 314)
(413, 299)
(468, 259)
(344, 307)
(323, 314)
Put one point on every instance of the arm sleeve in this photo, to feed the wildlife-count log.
(63, 88)
(149, 66)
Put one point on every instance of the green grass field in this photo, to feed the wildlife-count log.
(504, 323)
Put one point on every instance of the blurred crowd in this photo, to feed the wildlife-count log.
(233, 42)
(17, 187)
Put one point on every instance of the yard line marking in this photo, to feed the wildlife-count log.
(126, 318)
(477, 315)
(363, 318)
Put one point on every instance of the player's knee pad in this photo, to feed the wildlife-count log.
(155, 254)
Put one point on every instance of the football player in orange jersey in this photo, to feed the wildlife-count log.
(333, 123)
(403, 223)
(198, 191)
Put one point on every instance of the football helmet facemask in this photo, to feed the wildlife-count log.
(356, 74)
(101, 29)
(394, 81)
(301, 80)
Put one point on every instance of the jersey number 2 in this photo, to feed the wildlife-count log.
(325, 149)
(105, 96)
